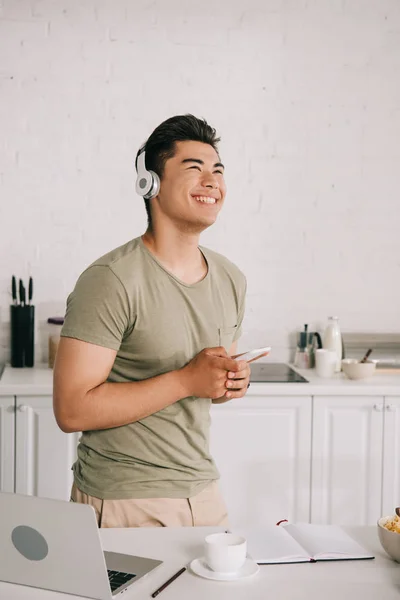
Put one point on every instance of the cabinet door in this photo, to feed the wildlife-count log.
(262, 448)
(391, 456)
(7, 443)
(44, 454)
(347, 460)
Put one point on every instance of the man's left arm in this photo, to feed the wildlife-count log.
(236, 383)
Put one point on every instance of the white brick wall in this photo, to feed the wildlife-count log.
(306, 96)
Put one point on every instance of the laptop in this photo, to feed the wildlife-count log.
(55, 545)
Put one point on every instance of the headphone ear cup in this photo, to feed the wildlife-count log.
(155, 188)
(144, 183)
(147, 182)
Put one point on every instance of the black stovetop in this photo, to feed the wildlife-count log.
(275, 373)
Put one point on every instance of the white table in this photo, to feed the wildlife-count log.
(350, 580)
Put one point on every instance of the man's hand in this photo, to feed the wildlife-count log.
(238, 382)
(214, 374)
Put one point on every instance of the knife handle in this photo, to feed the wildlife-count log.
(22, 293)
(14, 289)
(30, 289)
(20, 288)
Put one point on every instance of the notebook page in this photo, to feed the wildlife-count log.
(272, 544)
(327, 541)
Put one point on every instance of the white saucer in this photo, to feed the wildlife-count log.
(200, 567)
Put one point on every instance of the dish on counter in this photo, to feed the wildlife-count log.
(200, 568)
(388, 533)
(354, 369)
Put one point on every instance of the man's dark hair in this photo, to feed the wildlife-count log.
(161, 144)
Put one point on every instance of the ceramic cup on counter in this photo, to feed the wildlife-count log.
(225, 552)
(325, 362)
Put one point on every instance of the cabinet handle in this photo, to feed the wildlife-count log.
(391, 407)
(378, 407)
(22, 408)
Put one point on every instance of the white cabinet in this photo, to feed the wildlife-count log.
(262, 448)
(391, 452)
(7, 443)
(44, 454)
(324, 458)
(347, 460)
(35, 455)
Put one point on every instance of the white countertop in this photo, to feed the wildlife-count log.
(380, 384)
(39, 381)
(348, 580)
(27, 381)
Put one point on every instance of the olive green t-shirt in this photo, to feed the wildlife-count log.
(129, 302)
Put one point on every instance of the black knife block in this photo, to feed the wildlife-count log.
(22, 336)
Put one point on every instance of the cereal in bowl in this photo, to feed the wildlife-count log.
(393, 524)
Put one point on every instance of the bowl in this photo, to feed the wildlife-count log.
(390, 540)
(354, 369)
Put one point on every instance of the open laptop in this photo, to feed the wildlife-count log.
(55, 545)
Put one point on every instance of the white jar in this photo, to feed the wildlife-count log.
(332, 340)
(325, 362)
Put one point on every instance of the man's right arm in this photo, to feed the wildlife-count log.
(83, 400)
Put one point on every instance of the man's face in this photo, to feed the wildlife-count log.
(192, 188)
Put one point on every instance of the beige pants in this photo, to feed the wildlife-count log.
(207, 508)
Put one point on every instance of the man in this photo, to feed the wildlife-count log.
(147, 345)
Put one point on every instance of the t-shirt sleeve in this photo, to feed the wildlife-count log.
(242, 306)
(98, 309)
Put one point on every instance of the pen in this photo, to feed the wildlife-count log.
(170, 580)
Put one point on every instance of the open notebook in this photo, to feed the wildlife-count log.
(302, 543)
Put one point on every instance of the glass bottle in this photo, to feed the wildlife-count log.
(332, 340)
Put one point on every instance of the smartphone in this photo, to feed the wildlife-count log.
(253, 355)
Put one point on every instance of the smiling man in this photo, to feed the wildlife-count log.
(148, 343)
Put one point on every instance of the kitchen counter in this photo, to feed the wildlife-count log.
(380, 384)
(27, 382)
(39, 381)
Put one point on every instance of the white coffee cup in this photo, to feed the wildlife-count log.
(325, 362)
(225, 552)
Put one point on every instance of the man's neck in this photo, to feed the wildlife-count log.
(178, 252)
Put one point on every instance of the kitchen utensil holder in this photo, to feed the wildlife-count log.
(22, 336)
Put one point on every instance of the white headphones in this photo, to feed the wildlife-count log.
(147, 182)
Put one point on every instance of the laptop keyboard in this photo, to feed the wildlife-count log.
(116, 578)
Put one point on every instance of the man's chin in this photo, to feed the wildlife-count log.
(205, 223)
(200, 224)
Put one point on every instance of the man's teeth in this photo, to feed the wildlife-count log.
(205, 199)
